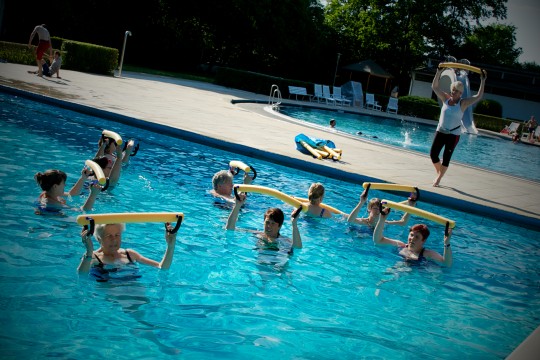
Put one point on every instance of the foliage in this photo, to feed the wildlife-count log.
(492, 44)
(491, 123)
(489, 107)
(399, 34)
(89, 57)
(17, 53)
(419, 106)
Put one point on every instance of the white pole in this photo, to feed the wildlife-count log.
(123, 50)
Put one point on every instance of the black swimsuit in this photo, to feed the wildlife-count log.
(102, 273)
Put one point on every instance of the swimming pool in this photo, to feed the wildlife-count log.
(486, 152)
(337, 297)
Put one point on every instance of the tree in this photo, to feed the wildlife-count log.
(398, 34)
(492, 44)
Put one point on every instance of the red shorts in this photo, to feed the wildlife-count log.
(42, 47)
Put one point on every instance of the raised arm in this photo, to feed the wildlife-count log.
(169, 252)
(116, 170)
(233, 216)
(127, 154)
(405, 218)
(86, 260)
(435, 86)
(95, 189)
(77, 188)
(352, 218)
(465, 103)
(296, 238)
(378, 237)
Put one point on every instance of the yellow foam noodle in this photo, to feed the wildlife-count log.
(419, 212)
(112, 135)
(332, 152)
(324, 154)
(240, 165)
(120, 218)
(386, 186)
(339, 151)
(324, 206)
(455, 65)
(271, 192)
(311, 150)
(98, 171)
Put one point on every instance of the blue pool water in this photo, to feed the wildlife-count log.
(487, 152)
(338, 297)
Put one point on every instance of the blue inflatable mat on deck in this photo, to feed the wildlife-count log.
(313, 142)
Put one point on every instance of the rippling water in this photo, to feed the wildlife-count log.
(338, 297)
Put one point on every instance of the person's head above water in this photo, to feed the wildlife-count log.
(50, 178)
(222, 182)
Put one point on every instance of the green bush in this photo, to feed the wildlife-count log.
(490, 122)
(89, 57)
(419, 106)
(489, 107)
(17, 53)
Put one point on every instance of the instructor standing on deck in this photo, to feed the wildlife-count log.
(43, 46)
(450, 121)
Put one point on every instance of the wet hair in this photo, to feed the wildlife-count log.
(111, 140)
(373, 202)
(422, 229)
(316, 191)
(99, 230)
(275, 214)
(50, 178)
(102, 161)
(458, 85)
(220, 177)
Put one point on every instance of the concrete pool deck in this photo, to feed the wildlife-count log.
(206, 113)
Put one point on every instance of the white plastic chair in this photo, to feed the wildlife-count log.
(392, 106)
(338, 97)
(327, 96)
(371, 103)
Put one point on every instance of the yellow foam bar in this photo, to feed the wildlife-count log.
(455, 65)
(419, 212)
(240, 165)
(324, 154)
(272, 192)
(332, 152)
(311, 150)
(386, 186)
(119, 218)
(324, 206)
(98, 171)
(112, 135)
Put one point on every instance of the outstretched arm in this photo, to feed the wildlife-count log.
(435, 86)
(95, 189)
(352, 218)
(465, 103)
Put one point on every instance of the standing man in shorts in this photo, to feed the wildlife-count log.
(43, 46)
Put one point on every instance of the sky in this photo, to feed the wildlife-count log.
(525, 16)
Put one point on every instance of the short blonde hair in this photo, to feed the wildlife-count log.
(458, 85)
(316, 191)
(373, 202)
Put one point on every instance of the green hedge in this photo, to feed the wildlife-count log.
(489, 107)
(17, 53)
(89, 57)
(419, 106)
(492, 123)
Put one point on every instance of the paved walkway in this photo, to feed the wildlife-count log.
(207, 110)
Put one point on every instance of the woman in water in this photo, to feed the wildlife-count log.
(414, 249)
(53, 183)
(112, 261)
(450, 120)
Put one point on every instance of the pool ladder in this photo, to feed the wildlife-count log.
(274, 100)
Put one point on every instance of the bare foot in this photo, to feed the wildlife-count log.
(436, 183)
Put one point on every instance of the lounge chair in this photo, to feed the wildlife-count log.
(510, 129)
(296, 90)
(371, 103)
(340, 98)
(327, 96)
(318, 93)
(392, 105)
